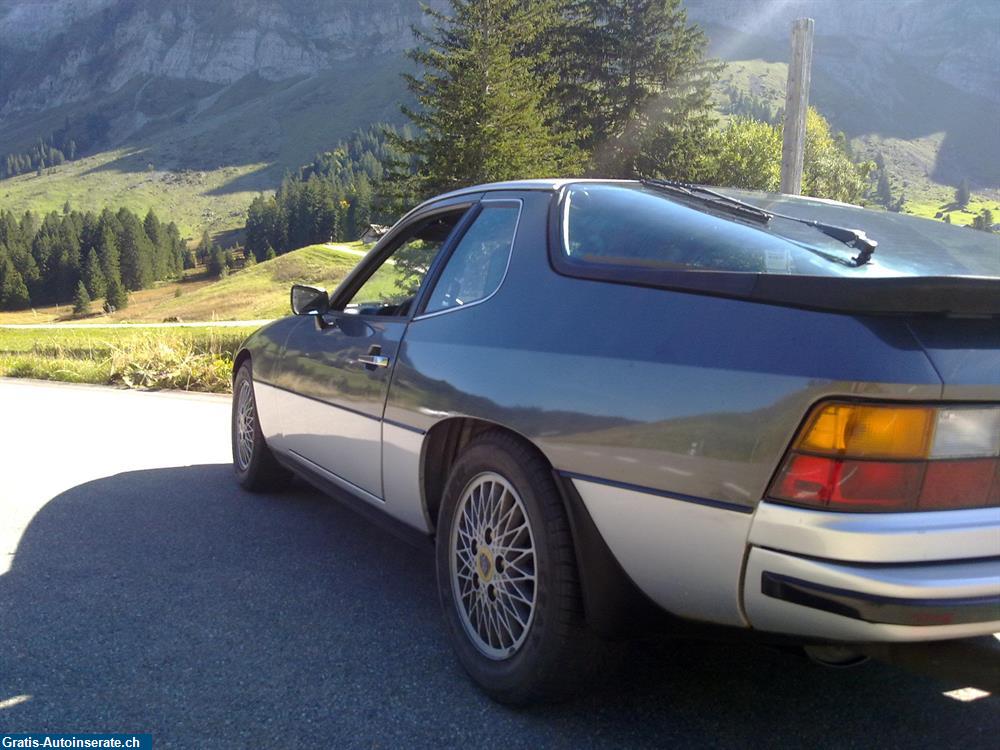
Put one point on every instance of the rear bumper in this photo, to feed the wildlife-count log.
(866, 577)
(819, 599)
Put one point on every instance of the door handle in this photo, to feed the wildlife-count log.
(374, 360)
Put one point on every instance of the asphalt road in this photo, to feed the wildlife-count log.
(141, 591)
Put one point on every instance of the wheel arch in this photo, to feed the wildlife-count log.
(443, 444)
(242, 356)
(613, 604)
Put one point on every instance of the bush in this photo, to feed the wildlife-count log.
(748, 155)
(197, 359)
(216, 263)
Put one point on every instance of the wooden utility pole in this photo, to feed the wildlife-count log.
(796, 105)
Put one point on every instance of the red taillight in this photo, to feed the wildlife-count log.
(839, 459)
(960, 484)
(849, 485)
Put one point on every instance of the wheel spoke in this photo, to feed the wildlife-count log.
(493, 566)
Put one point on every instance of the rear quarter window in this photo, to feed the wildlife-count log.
(478, 264)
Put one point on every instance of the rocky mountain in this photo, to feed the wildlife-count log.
(59, 52)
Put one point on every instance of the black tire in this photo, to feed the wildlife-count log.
(557, 650)
(262, 472)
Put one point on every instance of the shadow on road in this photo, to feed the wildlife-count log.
(168, 601)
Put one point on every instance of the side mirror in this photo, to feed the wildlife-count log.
(309, 300)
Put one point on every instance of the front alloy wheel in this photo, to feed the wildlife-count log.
(246, 422)
(255, 466)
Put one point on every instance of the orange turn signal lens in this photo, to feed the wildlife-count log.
(863, 431)
(861, 457)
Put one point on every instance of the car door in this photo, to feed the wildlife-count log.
(338, 364)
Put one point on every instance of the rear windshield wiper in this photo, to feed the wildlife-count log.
(711, 198)
(855, 238)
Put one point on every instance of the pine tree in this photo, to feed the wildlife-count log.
(81, 301)
(204, 248)
(136, 252)
(13, 291)
(485, 112)
(161, 260)
(93, 276)
(962, 193)
(883, 190)
(178, 249)
(107, 249)
(269, 253)
(637, 85)
(116, 297)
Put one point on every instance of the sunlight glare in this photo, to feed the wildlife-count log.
(14, 701)
(966, 694)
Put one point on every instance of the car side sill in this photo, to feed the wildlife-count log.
(355, 498)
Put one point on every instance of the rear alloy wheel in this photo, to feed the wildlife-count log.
(493, 566)
(255, 467)
(507, 574)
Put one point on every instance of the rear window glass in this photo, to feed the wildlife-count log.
(633, 226)
(634, 229)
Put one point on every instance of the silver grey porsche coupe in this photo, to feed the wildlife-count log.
(601, 398)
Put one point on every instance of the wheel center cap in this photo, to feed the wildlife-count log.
(484, 561)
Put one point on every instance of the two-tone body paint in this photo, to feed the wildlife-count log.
(669, 411)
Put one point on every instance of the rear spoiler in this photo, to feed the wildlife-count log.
(957, 296)
(960, 296)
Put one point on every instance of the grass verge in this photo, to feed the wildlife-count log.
(193, 359)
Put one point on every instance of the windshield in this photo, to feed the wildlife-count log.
(634, 226)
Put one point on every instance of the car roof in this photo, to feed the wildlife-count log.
(557, 183)
(542, 184)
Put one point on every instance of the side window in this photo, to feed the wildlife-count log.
(393, 287)
(477, 266)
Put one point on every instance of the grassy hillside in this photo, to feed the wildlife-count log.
(256, 293)
(199, 160)
(195, 199)
(262, 291)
